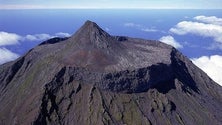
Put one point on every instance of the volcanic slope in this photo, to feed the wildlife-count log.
(93, 78)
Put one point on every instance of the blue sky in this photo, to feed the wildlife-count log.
(149, 4)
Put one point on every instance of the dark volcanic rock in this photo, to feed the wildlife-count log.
(94, 78)
(53, 40)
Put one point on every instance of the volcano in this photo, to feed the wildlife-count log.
(94, 78)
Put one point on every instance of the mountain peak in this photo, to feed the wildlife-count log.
(89, 23)
(95, 78)
(91, 34)
(91, 28)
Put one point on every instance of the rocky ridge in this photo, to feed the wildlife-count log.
(95, 78)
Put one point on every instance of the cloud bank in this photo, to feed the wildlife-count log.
(62, 34)
(37, 37)
(12, 38)
(204, 26)
(6, 55)
(9, 38)
(211, 65)
(200, 29)
(44, 36)
(170, 41)
(209, 19)
(140, 27)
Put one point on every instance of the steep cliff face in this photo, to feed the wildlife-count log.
(94, 78)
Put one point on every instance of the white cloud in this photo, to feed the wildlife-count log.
(201, 29)
(211, 65)
(6, 55)
(9, 38)
(149, 30)
(140, 27)
(170, 41)
(132, 25)
(209, 19)
(61, 34)
(37, 37)
(43, 36)
(12, 39)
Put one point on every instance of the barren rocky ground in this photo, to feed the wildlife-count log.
(93, 78)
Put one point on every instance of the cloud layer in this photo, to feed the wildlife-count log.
(12, 38)
(209, 19)
(6, 55)
(206, 27)
(211, 65)
(43, 36)
(37, 37)
(170, 41)
(62, 34)
(9, 38)
(140, 27)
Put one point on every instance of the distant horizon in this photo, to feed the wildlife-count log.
(110, 9)
(110, 4)
(27, 7)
